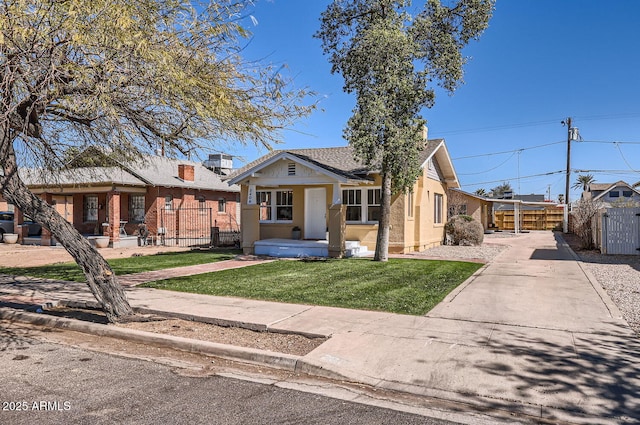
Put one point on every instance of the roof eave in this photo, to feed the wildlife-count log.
(286, 155)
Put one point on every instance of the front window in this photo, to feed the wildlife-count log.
(410, 204)
(352, 198)
(202, 204)
(627, 193)
(222, 205)
(363, 205)
(437, 213)
(614, 194)
(136, 208)
(264, 200)
(90, 209)
(275, 205)
(284, 205)
(168, 202)
(373, 204)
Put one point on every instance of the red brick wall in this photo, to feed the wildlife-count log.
(189, 198)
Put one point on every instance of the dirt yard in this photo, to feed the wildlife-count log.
(29, 255)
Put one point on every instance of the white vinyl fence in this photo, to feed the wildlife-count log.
(621, 231)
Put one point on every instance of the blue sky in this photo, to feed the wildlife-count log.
(539, 62)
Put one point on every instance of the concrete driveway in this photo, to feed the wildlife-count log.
(530, 332)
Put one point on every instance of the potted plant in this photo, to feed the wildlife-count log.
(296, 233)
(10, 238)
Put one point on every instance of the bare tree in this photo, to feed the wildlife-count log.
(582, 215)
(456, 202)
(132, 76)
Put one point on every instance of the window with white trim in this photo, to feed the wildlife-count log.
(437, 213)
(284, 205)
(264, 200)
(373, 204)
(168, 202)
(275, 205)
(410, 203)
(222, 205)
(352, 198)
(358, 211)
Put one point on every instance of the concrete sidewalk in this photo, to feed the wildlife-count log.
(529, 333)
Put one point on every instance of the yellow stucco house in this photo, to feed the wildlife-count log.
(323, 202)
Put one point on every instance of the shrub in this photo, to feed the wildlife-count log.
(464, 230)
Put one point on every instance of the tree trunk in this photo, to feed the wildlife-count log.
(100, 277)
(382, 242)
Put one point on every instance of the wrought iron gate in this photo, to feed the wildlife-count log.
(185, 227)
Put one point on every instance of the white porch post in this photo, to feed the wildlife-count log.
(516, 218)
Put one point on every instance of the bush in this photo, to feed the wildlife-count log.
(464, 230)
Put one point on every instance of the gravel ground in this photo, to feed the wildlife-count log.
(483, 253)
(270, 341)
(619, 275)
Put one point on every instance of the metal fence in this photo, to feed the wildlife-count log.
(230, 238)
(193, 226)
(185, 227)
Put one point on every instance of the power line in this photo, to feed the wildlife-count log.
(498, 127)
(514, 178)
(511, 151)
(490, 169)
(617, 145)
(609, 142)
(535, 123)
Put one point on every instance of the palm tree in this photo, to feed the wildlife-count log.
(583, 181)
(481, 192)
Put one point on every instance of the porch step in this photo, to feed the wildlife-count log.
(354, 249)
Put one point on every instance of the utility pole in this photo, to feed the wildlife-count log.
(572, 134)
(568, 178)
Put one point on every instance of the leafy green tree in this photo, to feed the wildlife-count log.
(583, 181)
(388, 59)
(131, 76)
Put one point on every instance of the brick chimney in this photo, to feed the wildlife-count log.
(186, 172)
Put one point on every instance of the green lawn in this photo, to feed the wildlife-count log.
(398, 286)
(72, 272)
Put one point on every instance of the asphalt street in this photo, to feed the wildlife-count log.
(47, 383)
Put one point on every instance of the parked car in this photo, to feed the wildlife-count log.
(6, 225)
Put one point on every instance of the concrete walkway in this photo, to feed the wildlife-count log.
(529, 333)
(139, 278)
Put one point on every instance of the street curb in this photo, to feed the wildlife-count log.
(278, 360)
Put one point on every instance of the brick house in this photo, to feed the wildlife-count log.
(178, 200)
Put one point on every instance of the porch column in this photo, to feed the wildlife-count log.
(18, 228)
(113, 205)
(337, 230)
(250, 229)
(45, 238)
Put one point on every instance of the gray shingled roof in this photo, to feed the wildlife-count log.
(80, 176)
(153, 171)
(160, 171)
(338, 160)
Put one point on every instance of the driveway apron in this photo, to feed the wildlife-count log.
(530, 332)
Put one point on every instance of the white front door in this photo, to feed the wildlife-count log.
(315, 213)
